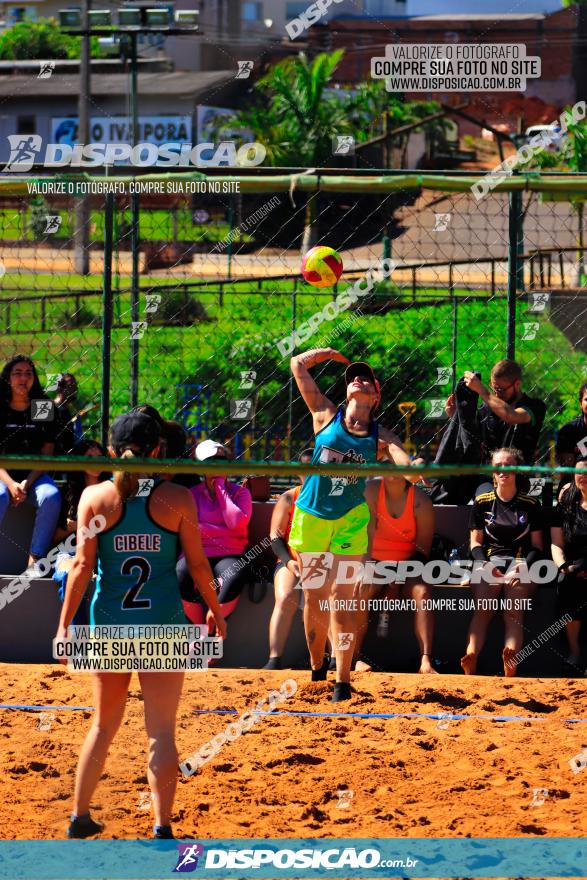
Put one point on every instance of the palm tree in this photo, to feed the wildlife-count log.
(295, 119)
(295, 116)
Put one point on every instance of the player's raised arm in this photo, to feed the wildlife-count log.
(320, 406)
(390, 448)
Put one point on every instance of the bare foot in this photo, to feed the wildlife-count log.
(361, 666)
(509, 665)
(426, 667)
(469, 663)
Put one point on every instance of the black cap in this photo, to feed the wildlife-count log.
(134, 429)
(359, 368)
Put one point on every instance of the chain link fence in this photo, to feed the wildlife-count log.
(200, 320)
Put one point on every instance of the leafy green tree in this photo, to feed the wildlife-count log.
(572, 156)
(579, 54)
(295, 117)
(31, 40)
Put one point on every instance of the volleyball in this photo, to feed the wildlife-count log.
(322, 266)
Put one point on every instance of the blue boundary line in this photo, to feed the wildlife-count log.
(59, 708)
(436, 716)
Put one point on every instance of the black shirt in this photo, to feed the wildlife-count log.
(576, 547)
(506, 525)
(495, 433)
(570, 436)
(20, 435)
(64, 436)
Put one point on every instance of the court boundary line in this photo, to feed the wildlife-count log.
(434, 716)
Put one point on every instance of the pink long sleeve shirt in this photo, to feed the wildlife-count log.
(223, 520)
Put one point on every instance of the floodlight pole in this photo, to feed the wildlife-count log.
(86, 32)
(515, 202)
(135, 232)
(107, 315)
(81, 233)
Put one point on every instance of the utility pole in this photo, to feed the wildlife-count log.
(135, 232)
(81, 234)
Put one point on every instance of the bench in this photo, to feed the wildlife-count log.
(29, 622)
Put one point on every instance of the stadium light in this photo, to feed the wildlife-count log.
(157, 18)
(187, 17)
(129, 17)
(100, 18)
(70, 18)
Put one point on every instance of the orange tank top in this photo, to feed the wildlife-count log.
(395, 539)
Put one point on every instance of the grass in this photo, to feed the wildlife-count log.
(154, 226)
(405, 348)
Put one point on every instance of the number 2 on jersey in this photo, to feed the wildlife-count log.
(131, 602)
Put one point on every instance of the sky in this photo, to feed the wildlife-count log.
(436, 7)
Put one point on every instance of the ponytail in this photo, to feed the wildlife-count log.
(126, 484)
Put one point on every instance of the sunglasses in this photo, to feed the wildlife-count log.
(498, 390)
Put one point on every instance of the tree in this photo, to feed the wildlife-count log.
(572, 156)
(295, 117)
(33, 40)
(579, 48)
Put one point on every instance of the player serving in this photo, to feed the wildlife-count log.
(331, 514)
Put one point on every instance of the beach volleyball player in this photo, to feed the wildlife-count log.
(159, 518)
(331, 515)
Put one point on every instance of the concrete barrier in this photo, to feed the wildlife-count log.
(29, 622)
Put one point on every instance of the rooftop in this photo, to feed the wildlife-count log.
(179, 84)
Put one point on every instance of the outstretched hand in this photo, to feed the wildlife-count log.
(318, 355)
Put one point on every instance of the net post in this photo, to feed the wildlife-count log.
(107, 314)
(513, 238)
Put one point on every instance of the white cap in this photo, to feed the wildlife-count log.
(208, 448)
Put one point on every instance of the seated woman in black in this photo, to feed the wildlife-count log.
(569, 550)
(27, 427)
(506, 526)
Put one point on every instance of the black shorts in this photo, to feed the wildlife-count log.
(572, 597)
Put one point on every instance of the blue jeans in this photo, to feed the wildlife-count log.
(46, 497)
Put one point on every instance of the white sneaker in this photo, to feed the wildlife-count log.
(33, 571)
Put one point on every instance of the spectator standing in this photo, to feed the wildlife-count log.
(68, 423)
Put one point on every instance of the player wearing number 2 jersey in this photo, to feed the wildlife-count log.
(136, 554)
(136, 568)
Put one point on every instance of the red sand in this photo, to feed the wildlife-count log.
(409, 778)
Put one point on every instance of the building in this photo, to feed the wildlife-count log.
(173, 105)
(553, 36)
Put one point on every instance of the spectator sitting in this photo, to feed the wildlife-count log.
(569, 551)
(175, 440)
(571, 441)
(506, 528)
(287, 572)
(402, 528)
(75, 485)
(224, 510)
(68, 425)
(24, 432)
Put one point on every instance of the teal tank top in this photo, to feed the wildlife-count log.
(136, 580)
(333, 497)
